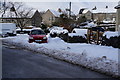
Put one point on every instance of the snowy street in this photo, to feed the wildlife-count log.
(19, 63)
(99, 58)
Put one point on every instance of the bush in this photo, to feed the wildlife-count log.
(22, 32)
(112, 41)
(77, 39)
(53, 34)
(74, 39)
(64, 36)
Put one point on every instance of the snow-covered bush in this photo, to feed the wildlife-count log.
(77, 36)
(111, 39)
(77, 39)
(56, 31)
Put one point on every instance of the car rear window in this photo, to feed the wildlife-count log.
(37, 32)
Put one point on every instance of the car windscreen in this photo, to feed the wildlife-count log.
(37, 32)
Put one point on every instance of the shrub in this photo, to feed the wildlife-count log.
(112, 41)
(53, 34)
(77, 39)
(74, 39)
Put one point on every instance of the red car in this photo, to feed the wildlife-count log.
(38, 36)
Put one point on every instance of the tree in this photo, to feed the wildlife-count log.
(63, 20)
(3, 7)
(23, 13)
(82, 19)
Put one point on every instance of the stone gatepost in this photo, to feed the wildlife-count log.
(118, 17)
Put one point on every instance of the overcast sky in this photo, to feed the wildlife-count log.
(43, 5)
(76, 6)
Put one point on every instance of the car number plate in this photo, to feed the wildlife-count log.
(38, 40)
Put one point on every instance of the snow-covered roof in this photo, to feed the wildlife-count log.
(91, 24)
(85, 11)
(104, 10)
(11, 14)
(117, 7)
(56, 13)
(110, 21)
(8, 14)
(100, 10)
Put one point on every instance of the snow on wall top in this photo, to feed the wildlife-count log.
(78, 32)
(109, 34)
(58, 30)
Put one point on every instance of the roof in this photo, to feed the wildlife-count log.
(117, 7)
(11, 14)
(104, 10)
(8, 14)
(85, 11)
(100, 10)
(56, 13)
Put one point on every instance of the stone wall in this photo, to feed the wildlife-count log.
(118, 20)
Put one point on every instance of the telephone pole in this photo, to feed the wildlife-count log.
(69, 9)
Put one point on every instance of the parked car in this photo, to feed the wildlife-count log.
(37, 35)
(7, 29)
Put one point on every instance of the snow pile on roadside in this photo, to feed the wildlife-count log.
(109, 34)
(100, 58)
(78, 32)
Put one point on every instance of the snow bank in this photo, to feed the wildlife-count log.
(109, 34)
(101, 58)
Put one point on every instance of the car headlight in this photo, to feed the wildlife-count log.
(31, 37)
(44, 37)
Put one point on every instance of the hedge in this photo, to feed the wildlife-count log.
(112, 41)
(74, 39)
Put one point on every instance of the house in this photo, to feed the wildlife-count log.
(104, 14)
(50, 16)
(36, 19)
(98, 14)
(10, 17)
(87, 14)
(118, 17)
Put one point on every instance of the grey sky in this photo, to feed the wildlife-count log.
(43, 5)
